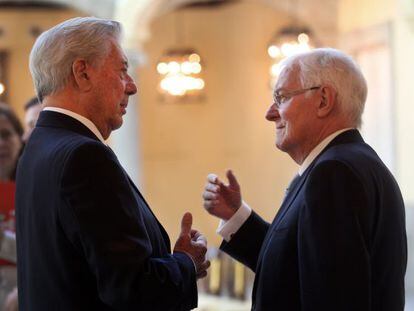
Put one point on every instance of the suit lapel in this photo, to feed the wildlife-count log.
(345, 137)
(351, 136)
(290, 197)
(146, 205)
(287, 202)
(59, 120)
(164, 233)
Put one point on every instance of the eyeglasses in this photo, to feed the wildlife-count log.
(279, 99)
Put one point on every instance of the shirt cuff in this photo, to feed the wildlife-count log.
(227, 228)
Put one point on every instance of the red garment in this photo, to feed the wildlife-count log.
(7, 221)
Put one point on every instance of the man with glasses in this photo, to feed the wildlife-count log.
(338, 241)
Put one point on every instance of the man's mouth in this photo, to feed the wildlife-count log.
(123, 109)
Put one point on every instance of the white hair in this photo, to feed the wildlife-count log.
(56, 49)
(335, 68)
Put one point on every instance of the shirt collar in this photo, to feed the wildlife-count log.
(318, 149)
(88, 123)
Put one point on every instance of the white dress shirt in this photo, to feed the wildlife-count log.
(227, 228)
(88, 123)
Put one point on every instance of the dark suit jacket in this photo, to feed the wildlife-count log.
(338, 241)
(86, 238)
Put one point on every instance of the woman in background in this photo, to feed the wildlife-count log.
(11, 132)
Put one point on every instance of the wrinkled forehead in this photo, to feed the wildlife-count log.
(120, 54)
(288, 78)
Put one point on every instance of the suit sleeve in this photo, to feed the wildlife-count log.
(101, 219)
(246, 243)
(334, 265)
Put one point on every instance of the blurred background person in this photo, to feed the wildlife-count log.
(31, 114)
(11, 132)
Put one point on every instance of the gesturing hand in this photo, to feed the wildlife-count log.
(194, 244)
(222, 200)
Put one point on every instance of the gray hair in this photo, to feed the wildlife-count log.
(56, 49)
(333, 67)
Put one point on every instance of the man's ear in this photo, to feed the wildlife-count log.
(81, 74)
(327, 102)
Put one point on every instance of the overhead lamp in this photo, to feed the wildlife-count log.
(288, 41)
(180, 72)
(3, 56)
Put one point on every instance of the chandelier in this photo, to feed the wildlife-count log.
(2, 73)
(287, 42)
(180, 71)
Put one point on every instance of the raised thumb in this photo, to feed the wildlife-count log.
(232, 180)
(186, 224)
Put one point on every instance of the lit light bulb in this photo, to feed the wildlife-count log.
(199, 85)
(195, 58)
(173, 67)
(303, 38)
(2, 88)
(287, 43)
(303, 48)
(196, 68)
(164, 84)
(173, 85)
(186, 68)
(177, 86)
(162, 68)
(273, 51)
(286, 49)
(188, 84)
(275, 69)
(179, 73)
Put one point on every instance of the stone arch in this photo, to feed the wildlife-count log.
(136, 16)
(100, 8)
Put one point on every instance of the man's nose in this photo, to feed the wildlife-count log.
(272, 113)
(131, 87)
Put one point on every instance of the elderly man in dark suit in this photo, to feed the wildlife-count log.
(338, 241)
(87, 240)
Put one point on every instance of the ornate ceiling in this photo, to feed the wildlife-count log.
(136, 15)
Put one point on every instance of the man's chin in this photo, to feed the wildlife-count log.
(279, 145)
(118, 125)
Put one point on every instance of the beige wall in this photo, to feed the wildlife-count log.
(183, 142)
(357, 15)
(18, 41)
(404, 67)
